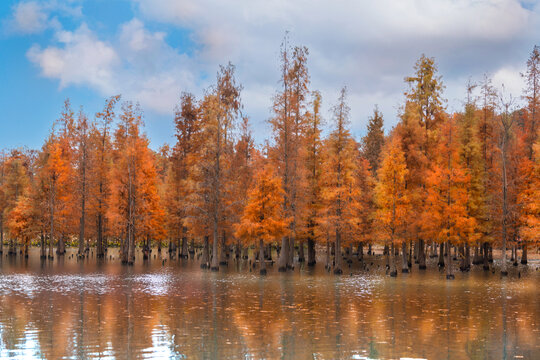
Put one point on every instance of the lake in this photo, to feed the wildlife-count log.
(165, 308)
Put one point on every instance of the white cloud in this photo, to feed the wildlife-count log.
(33, 17)
(29, 18)
(510, 78)
(82, 60)
(367, 45)
(137, 64)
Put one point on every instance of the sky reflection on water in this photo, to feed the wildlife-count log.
(155, 310)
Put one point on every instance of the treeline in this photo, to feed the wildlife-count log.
(468, 181)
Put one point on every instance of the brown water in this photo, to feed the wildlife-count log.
(88, 309)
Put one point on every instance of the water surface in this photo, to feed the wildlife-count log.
(166, 308)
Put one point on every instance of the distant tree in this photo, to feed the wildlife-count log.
(100, 172)
(339, 191)
(391, 198)
(313, 165)
(263, 218)
(373, 142)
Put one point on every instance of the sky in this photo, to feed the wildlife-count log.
(149, 51)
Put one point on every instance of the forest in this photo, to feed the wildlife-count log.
(466, 182)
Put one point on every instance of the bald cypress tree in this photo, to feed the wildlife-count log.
(373, 142)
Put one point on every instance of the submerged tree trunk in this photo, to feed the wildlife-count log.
(290, 258)
(223, 251)
(504, 270)
(421, 255)
(146, 248)
(237, 250)
(387, 257)
(404, 265)
(262, 261)
(311, 252)
(172, 247)
(524, 253)
(61, 246)
(441, 255)
(361, 251)
(476, 256)
(337, 256)
(486, 257)
(327, 265)
(192, 249)
(1, 234)
(215, 248)
(184, 251)
(43, 246)
(393, 267)
(205, 262)
(283, 259)
(449, 270)
(100, 251)
(301, 256)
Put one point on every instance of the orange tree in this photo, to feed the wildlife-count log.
(263, 219)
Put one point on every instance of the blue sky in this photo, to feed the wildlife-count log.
(151, 50)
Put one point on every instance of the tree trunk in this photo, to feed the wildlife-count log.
(486, 257)
(172, 247)
(476, 256)
(245, 253)
(504, 270)
(268, 252)
(43, 246)
(311, 252)
(462, 265)
(131, 249)
(192, 249)
(513, 254)
(283, 259)
(361, 251)
(215, 254)
(440, 263)
(146, 249)
(61, 245)
(327, 265)
(290, 258)
(100, 250)
(337, 256)
(261, 258)
(184, 252)
(1, 235)
(205, 262)
(449, 270)
(370, 252)
(524, 253)
(237, 250)
(404, 265)
(409, 260)
(421, 255)
(223, 250)
(393, 269)
(301, 257)
(83, 217)
(124, 247)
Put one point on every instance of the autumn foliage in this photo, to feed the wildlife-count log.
(435, 181)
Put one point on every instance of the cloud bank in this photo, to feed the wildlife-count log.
(370, 46)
